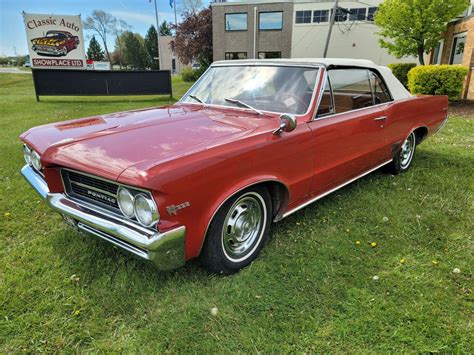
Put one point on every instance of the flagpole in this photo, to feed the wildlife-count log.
(158, 36)
(175, 17)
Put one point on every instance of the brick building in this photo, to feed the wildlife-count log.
(457, 48)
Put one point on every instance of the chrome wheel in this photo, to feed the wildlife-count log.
(244, 226)
(407, 150)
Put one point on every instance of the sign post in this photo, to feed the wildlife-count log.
(55, 41)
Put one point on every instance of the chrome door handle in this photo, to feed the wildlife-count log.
(381, 118)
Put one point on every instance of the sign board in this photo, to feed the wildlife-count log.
(63, 82)
(101, 65)
(94, 65)
(55, 41)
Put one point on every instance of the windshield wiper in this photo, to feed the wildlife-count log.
(197, 99)
(243, 104)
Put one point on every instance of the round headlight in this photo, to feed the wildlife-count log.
(125, 201)
(145, 210)
(27, 154)
(36, 160)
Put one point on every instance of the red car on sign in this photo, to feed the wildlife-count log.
(249, 144)
(55, 43)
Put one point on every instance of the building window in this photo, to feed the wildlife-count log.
(457, 50)
(270, 20)
(236, 22)
(235, 55)
(436, 56)
(358, 14)
(371, 13)
(269, 55)
(320, 16)
(303, 17)
(341, 14)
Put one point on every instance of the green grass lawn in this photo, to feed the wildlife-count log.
(311, 289)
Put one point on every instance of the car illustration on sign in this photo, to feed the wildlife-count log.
(250, 143)
(55, 43)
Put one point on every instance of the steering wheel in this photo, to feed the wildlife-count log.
(296, 98)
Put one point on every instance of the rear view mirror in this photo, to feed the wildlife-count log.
(287, 124)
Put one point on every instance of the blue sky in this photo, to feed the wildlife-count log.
(138, 13)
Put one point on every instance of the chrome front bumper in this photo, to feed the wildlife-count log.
(165, 250)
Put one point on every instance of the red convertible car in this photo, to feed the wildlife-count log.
(57, 43)
(250, 143)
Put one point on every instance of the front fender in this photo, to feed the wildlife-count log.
(236, 188)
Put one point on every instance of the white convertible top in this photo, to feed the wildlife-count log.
(397, 90)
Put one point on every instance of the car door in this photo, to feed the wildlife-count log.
(348, 137)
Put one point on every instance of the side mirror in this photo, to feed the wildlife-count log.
(287, 124)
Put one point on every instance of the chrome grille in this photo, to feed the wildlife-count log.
(91, 189)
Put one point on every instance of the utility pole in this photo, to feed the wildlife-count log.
(158, 37)
(333, 17)
(16, 56)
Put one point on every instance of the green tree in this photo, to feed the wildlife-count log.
(117, 55)
(102, 23)
(165, 29)
(134, 52)
(95, 52)
(193, 39)
(151, 45)
(414, 27)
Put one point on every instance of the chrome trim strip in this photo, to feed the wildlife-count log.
(286, 214)
(441, 126)
(266, 63)
(166, 250)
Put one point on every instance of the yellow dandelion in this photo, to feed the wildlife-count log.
(402, 261)
(7, 214)
(373, 244)
(76, 312)
(357, 242)
(434, 262)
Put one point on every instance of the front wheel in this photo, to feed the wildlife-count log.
(238, 231)
(402, 160)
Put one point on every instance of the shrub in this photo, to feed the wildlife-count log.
(400, 70)
(437, 80)
(190, 75)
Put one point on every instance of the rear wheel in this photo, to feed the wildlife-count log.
(238, 231)
(403, 159)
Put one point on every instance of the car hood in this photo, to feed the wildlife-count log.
(109, 144)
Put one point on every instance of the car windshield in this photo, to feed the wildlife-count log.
(54, 34)
(282, 89)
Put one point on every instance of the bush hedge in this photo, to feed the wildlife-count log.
(400, 70)
(437, 80)
(190, 75)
